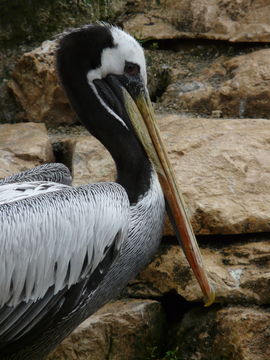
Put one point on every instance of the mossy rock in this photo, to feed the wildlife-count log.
(30, 20)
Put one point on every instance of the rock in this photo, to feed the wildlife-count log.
(146, 26)
(23, 146)
(238, 271)
(235, 332)
(222, 167)
(88, 160)
(238, 87)
(223, 170)
(36, 88)
(123, 330)
(240, 21)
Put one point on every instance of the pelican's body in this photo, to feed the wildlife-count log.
(143, 222)
(65, 251)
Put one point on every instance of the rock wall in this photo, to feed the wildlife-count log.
(125, 329)
(231, 20)
(212, 99)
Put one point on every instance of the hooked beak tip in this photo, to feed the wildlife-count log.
(210, 297)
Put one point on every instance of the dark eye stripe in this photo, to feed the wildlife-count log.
(131, 68)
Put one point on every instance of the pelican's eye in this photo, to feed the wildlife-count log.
(131, 69)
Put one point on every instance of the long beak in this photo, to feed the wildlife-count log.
(142, 117)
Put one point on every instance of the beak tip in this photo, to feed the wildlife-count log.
(211, 297)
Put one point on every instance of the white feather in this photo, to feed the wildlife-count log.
(18, 191)
(113, 61)
(44, 239)
(106, 106)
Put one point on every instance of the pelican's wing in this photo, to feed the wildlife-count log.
(54, 172)
(26, 190)
(51, 243)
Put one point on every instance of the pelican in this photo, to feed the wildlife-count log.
(65, 251)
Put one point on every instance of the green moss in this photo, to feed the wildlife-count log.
(171, 355)
(154, 354)
(31, 20)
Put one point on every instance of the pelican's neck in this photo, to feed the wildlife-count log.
(133, 166)
(134, 172)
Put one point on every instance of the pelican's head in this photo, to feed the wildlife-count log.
(101, 60)
(124, 57)
(103, 72)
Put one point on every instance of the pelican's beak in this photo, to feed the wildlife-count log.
(142, 117)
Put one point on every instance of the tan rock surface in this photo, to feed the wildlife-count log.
(238, 87)
(35, 86)
(223, 20)
(239, 273)
(123, 330)
(232, 333)
(223, 169)
(23, 146)
(222, 166)
(89, 160)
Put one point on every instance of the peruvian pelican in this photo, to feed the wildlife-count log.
(65, 251)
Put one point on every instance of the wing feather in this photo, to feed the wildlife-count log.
(58, 238)
(18, 191)
(55, 172)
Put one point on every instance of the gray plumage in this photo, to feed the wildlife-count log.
(42, 244)
(54, 172)
(69, 222)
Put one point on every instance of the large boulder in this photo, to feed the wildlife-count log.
(223, 169)
(220, 20)
(238, 271)
(122, 330)
(232, 333)
(234, 87)
(36, 88)
(23, 146)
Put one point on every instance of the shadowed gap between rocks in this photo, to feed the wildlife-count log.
(219, 241)
(186, 44)
(60, 154)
